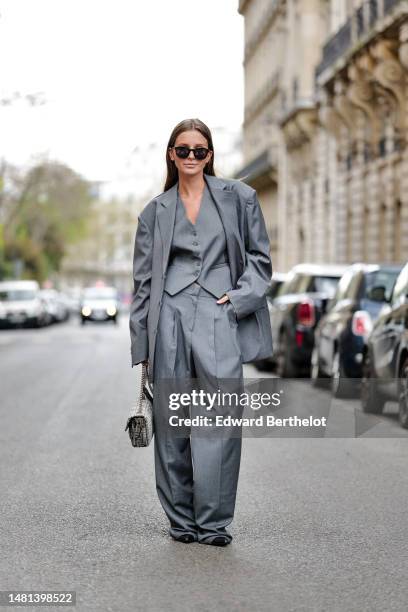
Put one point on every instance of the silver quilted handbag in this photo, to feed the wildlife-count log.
(140, 421)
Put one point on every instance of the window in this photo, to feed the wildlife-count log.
(354, 286)
(381, 278)
(17, 295)
(343, 285)
(325, 284)
(401, 285)
(289, 285)
(99, 293)
(274, 289)
(303, 284)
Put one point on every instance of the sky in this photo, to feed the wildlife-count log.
(116, 77)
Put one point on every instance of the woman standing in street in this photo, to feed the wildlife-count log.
(201, 270)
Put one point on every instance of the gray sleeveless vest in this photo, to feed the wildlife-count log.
(198, 252)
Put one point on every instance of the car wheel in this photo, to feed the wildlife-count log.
(316, 375)
(83, 321)
(403, 395)
(284, 364)
(372, 401)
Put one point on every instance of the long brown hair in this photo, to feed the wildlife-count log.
(184, 126)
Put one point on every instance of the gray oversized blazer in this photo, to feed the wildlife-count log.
(250, 263)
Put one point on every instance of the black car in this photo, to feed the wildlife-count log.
(295, 312)
(385, 358)
(339, 337)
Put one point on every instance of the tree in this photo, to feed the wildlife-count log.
(43, 210)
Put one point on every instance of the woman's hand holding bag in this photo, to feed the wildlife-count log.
(140, 421)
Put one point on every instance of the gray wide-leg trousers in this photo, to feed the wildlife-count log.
(196, 476)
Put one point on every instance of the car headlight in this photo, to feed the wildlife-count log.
(111, 310)
(86, 311)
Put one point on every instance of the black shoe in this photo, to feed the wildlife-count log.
(186, 538)
(217, 541)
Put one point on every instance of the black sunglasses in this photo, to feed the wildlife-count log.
(184, 152)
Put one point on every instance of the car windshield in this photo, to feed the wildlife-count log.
(381, 278)
(281, 290)
(274, 288)
(100, 293)
(17, 295)
(288, 286)
(325, 284)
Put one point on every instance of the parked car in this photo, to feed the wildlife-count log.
(385, 358)
(295, 312)
(277, 282)
(64, 307)
(21, 304)
(99, 304)
(73, 299)
(57, 308)
(341, 332)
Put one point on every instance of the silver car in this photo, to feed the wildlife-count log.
(99, 304)
(21, 304)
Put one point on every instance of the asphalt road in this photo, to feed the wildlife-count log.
(320, 524)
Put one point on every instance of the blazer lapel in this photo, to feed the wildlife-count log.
(166, 214)
(225, 200)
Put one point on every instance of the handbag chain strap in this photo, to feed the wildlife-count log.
(143, 381)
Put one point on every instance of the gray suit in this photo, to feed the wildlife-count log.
(250, 267)
(180, 269)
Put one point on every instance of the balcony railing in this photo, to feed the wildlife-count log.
(335, 47)
(389, 4)
(359, 25)
(262, 165)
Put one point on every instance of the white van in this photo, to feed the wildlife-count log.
(21, 304)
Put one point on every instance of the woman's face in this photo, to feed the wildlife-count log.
(190, 166)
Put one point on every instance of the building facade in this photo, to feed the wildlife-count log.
(339, 130)
(107, 253)
(263, 60)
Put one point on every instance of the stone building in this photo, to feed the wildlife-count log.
(339, 127)
(264, 49)
(107, 252)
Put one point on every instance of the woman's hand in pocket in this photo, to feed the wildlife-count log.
(223, 299)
